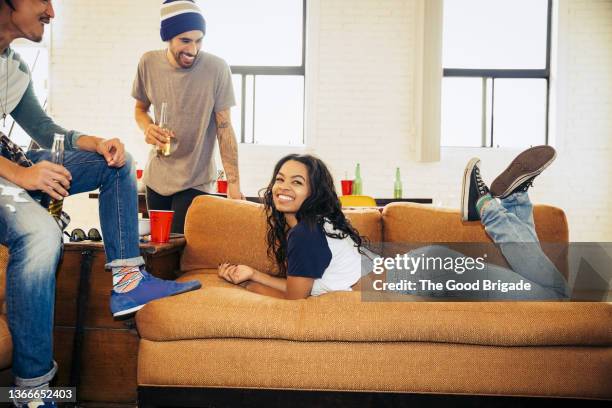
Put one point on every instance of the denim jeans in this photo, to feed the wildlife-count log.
(35, 243)
(510, 225)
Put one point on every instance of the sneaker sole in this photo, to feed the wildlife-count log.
(128, 311)
(517, 173)
(465, 192)
(133, 310)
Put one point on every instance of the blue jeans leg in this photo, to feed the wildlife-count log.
(118, 200)
(34, 241)
(520, 246)
(520, 205)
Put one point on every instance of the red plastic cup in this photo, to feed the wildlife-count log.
(222, 186)
(161, 222)
(347, 187)
(139, 173)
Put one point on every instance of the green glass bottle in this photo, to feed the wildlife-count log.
(357, 183)
(397, 186)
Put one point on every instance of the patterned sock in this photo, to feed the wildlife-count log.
(482, 202)
(126, 278)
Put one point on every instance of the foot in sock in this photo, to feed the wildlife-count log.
(519, 175)
(126, 278)
(135, 288)
(474, 192)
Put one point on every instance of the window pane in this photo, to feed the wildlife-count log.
(495, 34)
(519, 112)
(248, 118)
(462, 112)
(279, 107)
(247, 32)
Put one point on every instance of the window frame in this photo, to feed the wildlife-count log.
(255, 70)
(486, 74)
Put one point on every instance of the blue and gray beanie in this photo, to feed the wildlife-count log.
(179, 16)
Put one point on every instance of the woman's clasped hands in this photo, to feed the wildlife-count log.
(235, 274)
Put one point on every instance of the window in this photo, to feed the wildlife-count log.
(496, 59)
(36, 56)
(263, 42)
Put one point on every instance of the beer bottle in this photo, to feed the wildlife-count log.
(357, 183)
(397, 186)
(57, 157)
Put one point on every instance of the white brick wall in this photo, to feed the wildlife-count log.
(584, 120)
(96, 46)
(360, 100)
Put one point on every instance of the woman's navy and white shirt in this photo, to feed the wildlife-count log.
(334, 264)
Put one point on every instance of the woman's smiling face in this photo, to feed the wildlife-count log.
(291, 188)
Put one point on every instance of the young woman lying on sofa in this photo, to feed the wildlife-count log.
(312, 242)
(318, 250)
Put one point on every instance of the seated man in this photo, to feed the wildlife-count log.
(32, 235)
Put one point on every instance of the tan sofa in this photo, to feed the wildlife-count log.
(224, 337)
(6, 343)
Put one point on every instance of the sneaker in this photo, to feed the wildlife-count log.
(524, 168)
(150, 288)
(37, 404)
(472, 189)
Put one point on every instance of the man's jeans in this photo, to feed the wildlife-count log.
(35, 241)
(510, 225)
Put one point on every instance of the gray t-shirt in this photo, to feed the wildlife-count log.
(24, 106)
(193, 96)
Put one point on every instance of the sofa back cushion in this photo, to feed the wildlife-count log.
(219, 230)
(407, 222)
(416, 223)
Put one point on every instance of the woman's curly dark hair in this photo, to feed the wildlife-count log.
(322, 204)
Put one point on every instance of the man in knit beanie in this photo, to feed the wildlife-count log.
(196, 88)
(178, 17)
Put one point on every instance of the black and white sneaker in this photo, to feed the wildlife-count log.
(519, 175)
(473, 188)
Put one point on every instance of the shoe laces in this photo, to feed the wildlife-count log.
(480, 184)
(525, 186)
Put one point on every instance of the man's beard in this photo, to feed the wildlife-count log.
(180, 62)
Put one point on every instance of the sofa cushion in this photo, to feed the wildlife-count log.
(409, 223)
(6, 344)
(219, 230)
(412, 367)
(220, 310)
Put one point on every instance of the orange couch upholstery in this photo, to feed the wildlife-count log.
(223, 336)
(6, 344)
